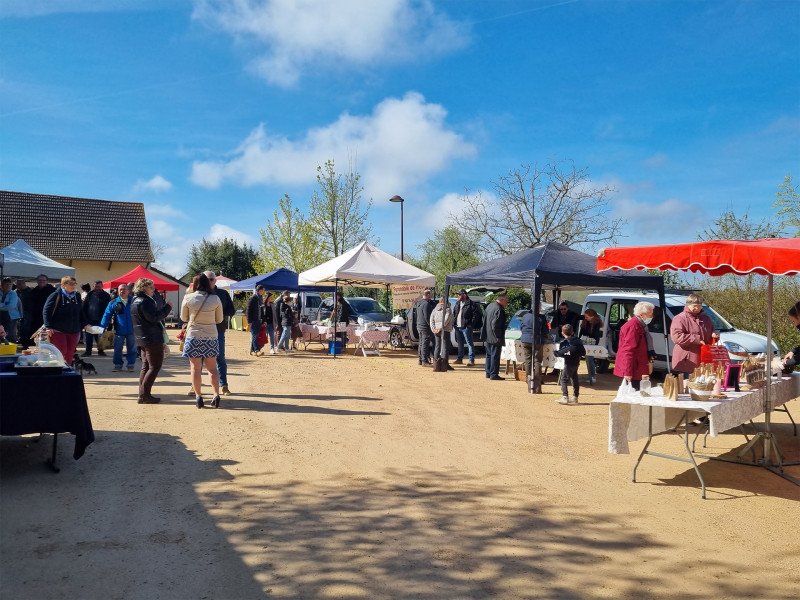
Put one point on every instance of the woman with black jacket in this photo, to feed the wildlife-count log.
(149, 334)
(63, 317)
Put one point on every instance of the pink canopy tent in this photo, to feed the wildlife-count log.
(773, 256)
(138, 273)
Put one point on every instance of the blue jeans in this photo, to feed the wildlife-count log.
(271, 335)
(130, 341)
(254, 347)
(591, 366)
(222, 365)
(464, 334)
(286, 335)
(492, 360)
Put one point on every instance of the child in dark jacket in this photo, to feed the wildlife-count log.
(570, 349)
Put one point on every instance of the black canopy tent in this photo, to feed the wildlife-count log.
(554, 266)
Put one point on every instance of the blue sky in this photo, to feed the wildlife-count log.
(210, 111)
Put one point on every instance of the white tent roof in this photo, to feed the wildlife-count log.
(365, 266)
(20, 260)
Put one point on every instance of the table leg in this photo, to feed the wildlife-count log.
(685, 438)
(52, 461)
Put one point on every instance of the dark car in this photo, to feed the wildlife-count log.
(362, 310)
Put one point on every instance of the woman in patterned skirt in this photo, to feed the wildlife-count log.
(202, 310)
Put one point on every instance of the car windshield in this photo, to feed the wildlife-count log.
(720, 324)
(365, 305)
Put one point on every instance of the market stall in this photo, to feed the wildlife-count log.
(551, 266)
(768, 257)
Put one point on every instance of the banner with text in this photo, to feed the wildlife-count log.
(404, 295)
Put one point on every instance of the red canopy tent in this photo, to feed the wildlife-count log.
(773, 256)
(161, 284)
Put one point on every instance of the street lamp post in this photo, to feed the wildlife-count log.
(401, 201)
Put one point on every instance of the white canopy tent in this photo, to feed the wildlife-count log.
(365, 266)
(20, 260)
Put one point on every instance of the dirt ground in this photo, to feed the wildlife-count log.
(377, 478)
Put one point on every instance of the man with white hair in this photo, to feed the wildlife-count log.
(635, 346)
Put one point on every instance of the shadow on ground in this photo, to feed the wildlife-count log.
(140, 516)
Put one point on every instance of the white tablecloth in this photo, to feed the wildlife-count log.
(513, 351)
(373, 336)
(318, 333)
(628, 417)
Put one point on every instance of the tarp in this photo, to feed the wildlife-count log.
(365, 266)
(773, 256)
(279, 279)
(553, 265)
(20, 260)
(224, 283)
(138, 273)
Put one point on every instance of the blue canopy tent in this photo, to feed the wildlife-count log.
(279, 279)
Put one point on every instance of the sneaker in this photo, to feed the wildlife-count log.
(458, 361)
(117, 369)
(100, 353)
(593, 380)
(563, 400)
(272, 351)
(573, 399)
(191, 392)
(86, 354)
(225, 391)
(471, 363)
(130, 369)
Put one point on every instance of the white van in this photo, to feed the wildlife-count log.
(310, 304)
(615, 308)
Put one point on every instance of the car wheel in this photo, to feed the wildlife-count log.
(602, 365)
(396, 338)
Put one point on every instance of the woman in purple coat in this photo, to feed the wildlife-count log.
(689, 331)
(635, 346)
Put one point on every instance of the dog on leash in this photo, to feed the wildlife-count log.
(83, 367)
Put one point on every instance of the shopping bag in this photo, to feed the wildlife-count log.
(262, 339)
(625, 389)
(105, 340)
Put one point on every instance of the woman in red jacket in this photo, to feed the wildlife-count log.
(689, 331)
(635, 346)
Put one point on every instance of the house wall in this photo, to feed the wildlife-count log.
(88, 271)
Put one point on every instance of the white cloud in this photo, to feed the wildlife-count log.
(289, 36)
(220, 232)
(156, 184)
(649, 223)
(164, 210)
(397, 147)
(657, 160)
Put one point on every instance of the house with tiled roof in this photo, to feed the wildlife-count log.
(101, 239)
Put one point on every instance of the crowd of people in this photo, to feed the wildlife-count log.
(136, 312)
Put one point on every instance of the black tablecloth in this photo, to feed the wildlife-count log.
(46, 404)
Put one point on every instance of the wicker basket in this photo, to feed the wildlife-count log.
(700, 391)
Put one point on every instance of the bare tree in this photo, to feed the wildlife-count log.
(535, 205)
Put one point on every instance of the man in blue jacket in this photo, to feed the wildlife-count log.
(120, 312)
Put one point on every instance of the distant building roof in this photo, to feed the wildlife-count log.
(65, 228)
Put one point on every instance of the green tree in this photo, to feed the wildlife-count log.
(224, 257)
(448, 251)
(288, 240)
(672, 279)
(787, 203)
(335, 211)
(553, 203)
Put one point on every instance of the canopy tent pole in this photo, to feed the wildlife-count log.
(333, 312)
(536, 292)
